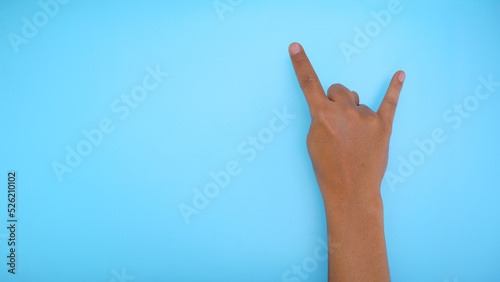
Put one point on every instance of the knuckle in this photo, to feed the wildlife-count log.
(350, 112)
(307, 79)
(334, 87)
(391, 103)
(371, 114)
(324, 117)
(372, 118)
(322, 114)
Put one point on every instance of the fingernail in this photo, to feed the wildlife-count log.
(402, 76)
(294, 48)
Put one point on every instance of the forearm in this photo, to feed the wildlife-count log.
(356, 240)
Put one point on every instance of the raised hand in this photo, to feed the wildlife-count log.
(348, 144)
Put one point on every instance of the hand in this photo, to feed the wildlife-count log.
(348, 142)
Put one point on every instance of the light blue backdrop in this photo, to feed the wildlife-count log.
(199, 169)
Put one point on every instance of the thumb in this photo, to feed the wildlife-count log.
(387, 108)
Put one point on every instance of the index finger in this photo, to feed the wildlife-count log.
(308, 80)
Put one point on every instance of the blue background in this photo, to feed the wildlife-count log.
(117, 212)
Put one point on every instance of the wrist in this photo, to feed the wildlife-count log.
(352, 199)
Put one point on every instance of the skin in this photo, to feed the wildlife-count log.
(348, 144)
